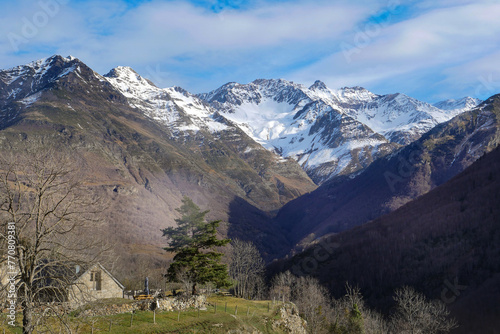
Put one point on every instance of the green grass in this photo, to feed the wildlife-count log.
(250, 315)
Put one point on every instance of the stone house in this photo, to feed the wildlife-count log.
(93, 283)
(66, 282)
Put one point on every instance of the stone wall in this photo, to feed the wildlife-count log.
(175, 304)
(164, 304)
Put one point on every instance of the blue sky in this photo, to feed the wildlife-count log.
(428, 49)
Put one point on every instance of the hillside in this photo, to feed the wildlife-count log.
(390, 182)
(233, 315)
(445, 244)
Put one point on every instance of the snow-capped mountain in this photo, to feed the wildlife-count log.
(192, 121)
(400, 118)
(305, 124)
(21, 86)
(329, 132)
(144, 149)
(173, 107)
(458, 106)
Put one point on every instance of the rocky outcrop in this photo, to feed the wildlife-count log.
(290, 321)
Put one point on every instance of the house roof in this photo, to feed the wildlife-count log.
(83, 272)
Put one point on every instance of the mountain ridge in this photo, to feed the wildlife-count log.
(287, 118)
(328, 132)
(158, 136)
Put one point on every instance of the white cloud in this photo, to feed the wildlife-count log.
(302, 40)
(434, 40)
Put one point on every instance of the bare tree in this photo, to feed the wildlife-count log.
(415, 314)
(45, 213)
(247, 269)
(186, 279)
(281, 286)
(313, 302)
(350, 314)
(374, 322)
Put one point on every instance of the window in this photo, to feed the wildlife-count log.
(95, 278)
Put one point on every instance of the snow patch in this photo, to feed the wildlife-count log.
(29, 100)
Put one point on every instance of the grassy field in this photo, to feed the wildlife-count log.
(231, 314)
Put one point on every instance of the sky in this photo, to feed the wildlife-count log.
(431, 49)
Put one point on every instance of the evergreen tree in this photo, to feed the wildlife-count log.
(194, 241)
(355, 321)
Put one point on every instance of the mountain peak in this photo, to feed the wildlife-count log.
(128, 74)
(25, 80)
(354, 94)
(354, 89)
(272, 82)
(318, 85)
(120, 71)
(129, 82)
(40, 66)
(463, 103)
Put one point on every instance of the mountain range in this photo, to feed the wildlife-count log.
(394, 183)
(254, 154)
(329, 132)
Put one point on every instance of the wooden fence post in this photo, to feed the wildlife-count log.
(236, 310)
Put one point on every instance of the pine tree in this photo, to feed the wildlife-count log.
(194, 241)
